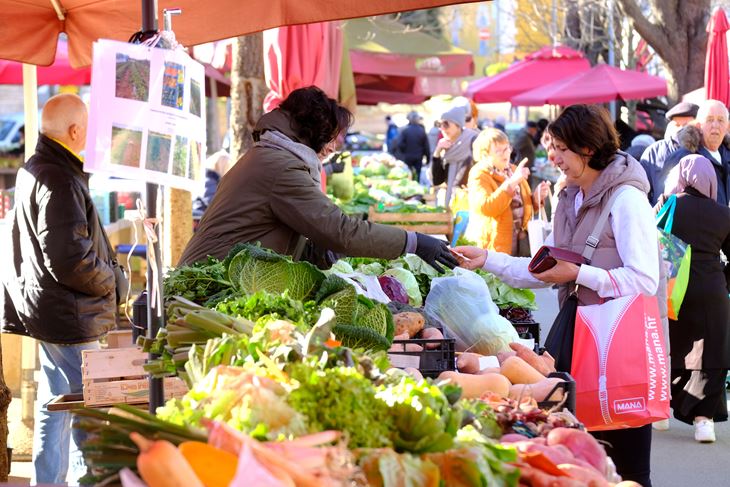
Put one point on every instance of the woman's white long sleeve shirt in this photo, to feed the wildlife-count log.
(634, 229)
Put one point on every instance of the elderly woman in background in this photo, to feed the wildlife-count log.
(453, 157)
(500, 200)
(700, 338)
(585, 146)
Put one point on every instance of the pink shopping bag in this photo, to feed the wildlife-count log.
(620, 364)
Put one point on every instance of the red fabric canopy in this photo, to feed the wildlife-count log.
(399, 64)
(58, 73)
(600, 84)
(716, 64)
(297, 56)
(537, 69)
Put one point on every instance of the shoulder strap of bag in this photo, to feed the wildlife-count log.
(592, 240)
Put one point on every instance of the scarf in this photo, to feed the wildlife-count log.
(693, 171)
(277, 140)
(461, 149)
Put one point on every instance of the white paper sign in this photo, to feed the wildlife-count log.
(147, 115)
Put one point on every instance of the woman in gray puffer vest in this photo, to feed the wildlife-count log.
(585, 146)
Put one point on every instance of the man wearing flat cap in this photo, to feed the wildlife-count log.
(653, 158)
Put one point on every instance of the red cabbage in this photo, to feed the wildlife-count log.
(393, 289)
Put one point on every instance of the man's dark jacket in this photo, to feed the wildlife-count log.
(690, 141)
(58, 285)
(523, 148)
(413, 144)
(652, 160)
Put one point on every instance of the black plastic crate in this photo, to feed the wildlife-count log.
(430, 362)
(568, 388)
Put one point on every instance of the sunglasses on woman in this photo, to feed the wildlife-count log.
(444, 124)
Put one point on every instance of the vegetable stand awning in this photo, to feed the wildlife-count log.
(58, 73)
(30, 28)
(542, 67)
(392, 63)
(600, 84)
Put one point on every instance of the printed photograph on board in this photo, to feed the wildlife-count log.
(195, 165)
(195, 100)
(132, 78)
(126, 147)
(158, 151)
(173, 85)
(180, 157)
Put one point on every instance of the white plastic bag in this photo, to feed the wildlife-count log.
(538, 229)
(464, 307)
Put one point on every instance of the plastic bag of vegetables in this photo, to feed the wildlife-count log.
(463, 305)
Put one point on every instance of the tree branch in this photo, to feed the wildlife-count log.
(653, 34)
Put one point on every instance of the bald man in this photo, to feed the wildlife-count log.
(59, 285)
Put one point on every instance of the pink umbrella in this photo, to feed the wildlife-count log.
(537, 69)
(600, 84)
(716, 64)
(58, 73)
(302, 55)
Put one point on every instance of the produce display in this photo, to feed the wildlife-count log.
(290, 384)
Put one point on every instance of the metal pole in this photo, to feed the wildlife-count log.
(611, 49)
(157, 394)
(554, 24)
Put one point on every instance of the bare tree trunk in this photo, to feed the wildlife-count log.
(248, 89)
(677, 34)
(5, 398)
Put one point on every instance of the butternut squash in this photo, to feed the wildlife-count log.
(474, 386)
(531, 358)
(520, 372)
(539, 391)
(213, 466)
(161, 464)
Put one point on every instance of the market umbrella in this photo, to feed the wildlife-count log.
(542, 67)
(297, 56)
(600, 84)
(30, 28)
(395, 65)
(716, 64)
(58, 73)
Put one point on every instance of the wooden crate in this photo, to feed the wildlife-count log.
(115, 375)
(119, 339)
(429, 223)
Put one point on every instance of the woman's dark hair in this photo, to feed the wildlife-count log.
(587, 128)
(316, 118)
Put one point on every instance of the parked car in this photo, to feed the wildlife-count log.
(10, 131)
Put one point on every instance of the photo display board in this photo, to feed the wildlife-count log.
(146, 115)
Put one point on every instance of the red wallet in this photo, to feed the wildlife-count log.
(547, 257)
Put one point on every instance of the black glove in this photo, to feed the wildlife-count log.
(434, 252)
(334, 164)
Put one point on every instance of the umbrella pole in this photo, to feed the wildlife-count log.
(154, 316)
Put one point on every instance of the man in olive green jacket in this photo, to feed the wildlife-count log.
(273, 194)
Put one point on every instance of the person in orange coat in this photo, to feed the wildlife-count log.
(500, 200)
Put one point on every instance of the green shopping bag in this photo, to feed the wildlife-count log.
(677, 257)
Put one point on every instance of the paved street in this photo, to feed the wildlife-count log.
(676, 459)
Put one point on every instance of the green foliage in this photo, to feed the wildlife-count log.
(360, 337)
(505, 296)
(266, 305)
(495, 68)
(197, 282)
(342, 399)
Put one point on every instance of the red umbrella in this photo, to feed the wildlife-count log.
(296, 56)
(58, 73)
(716, 64)
(538, 69)
(601, 84)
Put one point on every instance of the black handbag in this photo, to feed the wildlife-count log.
(559, 342)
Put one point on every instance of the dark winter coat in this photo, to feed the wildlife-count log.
(652, 160)
(58, 283)
(705, 310)
(269, 196)
(690, 140)
(523, 147)
(413, 144)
